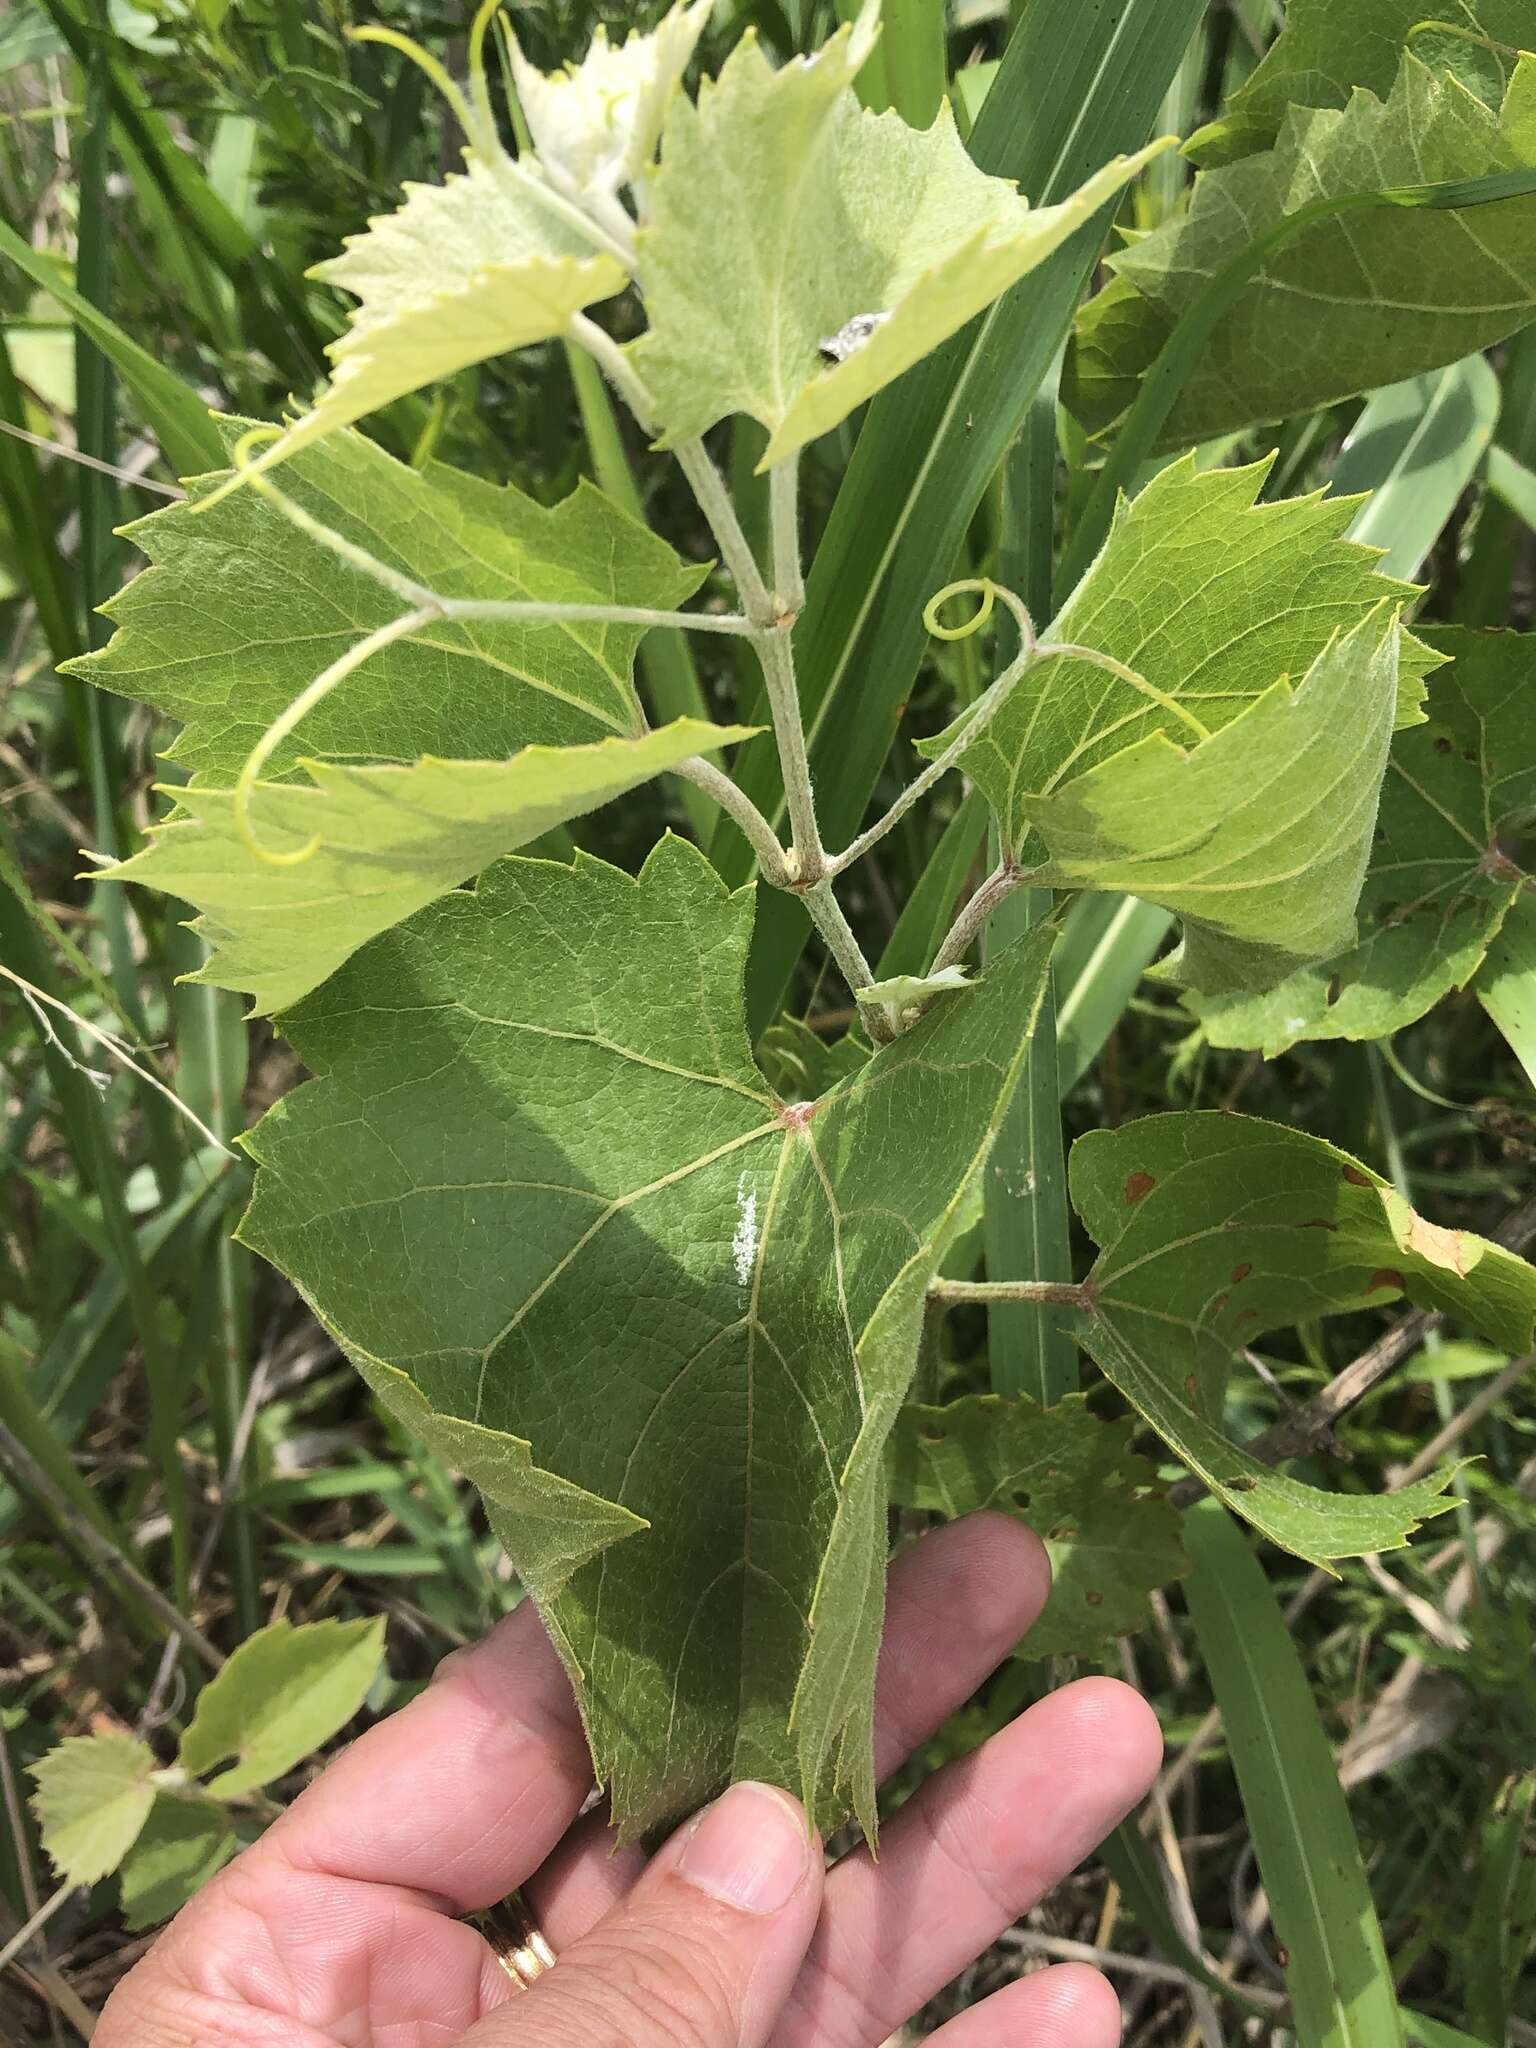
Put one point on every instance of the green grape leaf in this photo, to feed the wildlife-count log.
(486, 262)
(437, 710)
(800, 252)
(1506, 981)
(389, 841)
(595, 124)
(1351, 304)
(282, 1694)
(94, 1793)
(799, 1063)
(1214, 1229)
(286, 606)
(185, 1841)
(663, 1319)
(1257, 835)
(1110, 1532)
(1329, 47)
(1449, 861)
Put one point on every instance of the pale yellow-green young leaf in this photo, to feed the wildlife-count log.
(595, 124)
(914, 988)
(282, 1694)
(386, 840)
(463, 271)
(93, 1795)
(800, 253)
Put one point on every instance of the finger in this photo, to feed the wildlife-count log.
(703, 1951)
(1067, 2006)
(960, 1600)
(976, 1847)
(463, 1792)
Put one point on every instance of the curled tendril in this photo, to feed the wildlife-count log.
(242, 470)
(974, 624)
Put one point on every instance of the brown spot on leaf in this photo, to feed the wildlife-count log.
(1443, 745)
(1191, 1386)
(1220, 1302)
(1241, 1272)
(1139, 1185)
(1247, 1315)
(1384, 1276)
(1241, 1484)
(1094, 1599)
(1317, 1223)
(1356, 1178)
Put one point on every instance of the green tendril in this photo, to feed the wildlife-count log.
(977, 620)
(482, 141)
(479, 83)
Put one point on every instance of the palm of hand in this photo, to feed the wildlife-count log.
(340, 1928)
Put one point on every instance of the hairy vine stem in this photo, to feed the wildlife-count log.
(985, 709)
(966, 929)
(732, 798)
(1067, 1293)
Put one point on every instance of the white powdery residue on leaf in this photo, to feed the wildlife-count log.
(744, 1243)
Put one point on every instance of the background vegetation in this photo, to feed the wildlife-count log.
(183, 1456)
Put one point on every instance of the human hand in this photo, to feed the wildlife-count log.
(340, 1927)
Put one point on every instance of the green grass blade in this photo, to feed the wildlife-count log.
(1416, 446)
(177, 417)
(930, 909)
(910, 69)
(672, 685)
(1336, 1971)
(1026, 1228)
(1130, 1863)
(1176, 359)
(1498, 1939)
(22, 496)
(1077, 84)
(1107, 943)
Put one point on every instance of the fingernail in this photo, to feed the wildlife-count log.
(751, 1850)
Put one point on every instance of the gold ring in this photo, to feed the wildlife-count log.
(516, 1940)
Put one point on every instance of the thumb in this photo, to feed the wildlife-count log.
(701, 1954)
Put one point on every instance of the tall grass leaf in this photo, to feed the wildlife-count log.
(1336, 1967)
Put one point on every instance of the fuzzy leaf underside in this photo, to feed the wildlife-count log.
(565, 1228)
(439, 712)
(1328, 47)
(1257, 837)
(460, 272)
(283, 1693)
(783, 211)
(1451, 858)
(391, 841)
(94, 1793)
(1214, 1229)
(596, 123)
(241, 610)
(1276, 632)
(1351, 304)
(1111, 1535)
